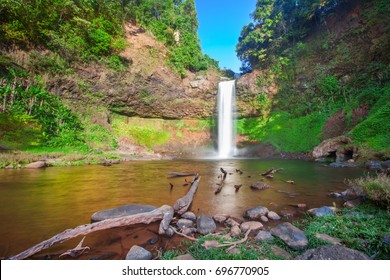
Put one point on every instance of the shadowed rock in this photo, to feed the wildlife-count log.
(332, 252)
(263, 235)
(122, 211)
(205, 225)
(291, 235)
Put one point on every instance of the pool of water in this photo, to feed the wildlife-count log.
(37, 204)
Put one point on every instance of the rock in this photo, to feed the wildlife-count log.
(198, 83)
(189, 216)
(286, 213)
(138, 253)
(386, 239)
(386, 164)
(281, 252)
(36, 165)
(263, 235)
(220, 218)
(256, 213)
(291, 235)
(252, 225)
(375, 165)
(353, 193)
(153, 240)
(332, 146)
(273, 216)
(205, 225)
(186, 257)
(169, 232)
(234, 251)
(9, 167)
(231, 222)
(208, 244)
(235, 231)
(322, 211)
(184, 223)
(259, 186)
(327, 238)
(125, 210)
(353, 203)
(342, 165)
(188, 231)
(264, 219)
(332, 252)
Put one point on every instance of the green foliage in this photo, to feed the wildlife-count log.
(99, 137)
(360, 228)
(20, 97)
(140, 134)
(377, 188)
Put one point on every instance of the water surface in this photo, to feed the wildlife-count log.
(37, 204)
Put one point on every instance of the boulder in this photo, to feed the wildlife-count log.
(36, 165)
(122, 211)
(259, 186)
(252, 225)
(322, 211)
(184, 223)
(189, 216)
(256, 213)
(263, 235)
(332, 252)
(375, 165)
(291, 235)
(205, 225)
(138, 253)
(273, 216)
(333, 146)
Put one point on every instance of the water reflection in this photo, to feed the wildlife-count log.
(36, 204)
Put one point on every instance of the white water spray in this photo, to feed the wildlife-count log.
(226, 92)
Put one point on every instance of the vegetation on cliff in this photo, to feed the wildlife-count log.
(329, 64)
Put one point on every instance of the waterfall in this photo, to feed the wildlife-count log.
(225, 102)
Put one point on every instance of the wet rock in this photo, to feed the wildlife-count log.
(254, 226)
(386, 239)
(281, 252)
(375, 165)
(189, 216)
(263, 235)
(122, 211)
(138, 253)
(256, 213)
(353, 203)
(186, 257)
(332, 252)
(205, 225)
(291, 235)
(259, 186)
(342, 165)
(184, 223)
(231, 222)
(36, 165)
(327, 238)
(153, 240)
(220, 218)
(264, 219)
(235, 231)
(273, 216)
(353, 193)
(322, 211)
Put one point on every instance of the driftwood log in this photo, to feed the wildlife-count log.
(182, 204)
(142, 218)
(222, 182)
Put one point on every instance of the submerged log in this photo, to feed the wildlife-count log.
(271, 171)
(179, 174)
(182, 204)
(222, 182)
(142, 218)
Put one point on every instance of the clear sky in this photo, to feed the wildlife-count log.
(220, 24)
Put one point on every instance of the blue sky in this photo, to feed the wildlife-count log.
(220, 24)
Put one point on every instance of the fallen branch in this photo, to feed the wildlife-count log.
(142, 218)
(183, 235)
(222, 182)
(179, 174)
(76, 251)
(271, 171)
(182, 204)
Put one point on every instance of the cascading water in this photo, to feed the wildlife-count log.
(226, 92)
